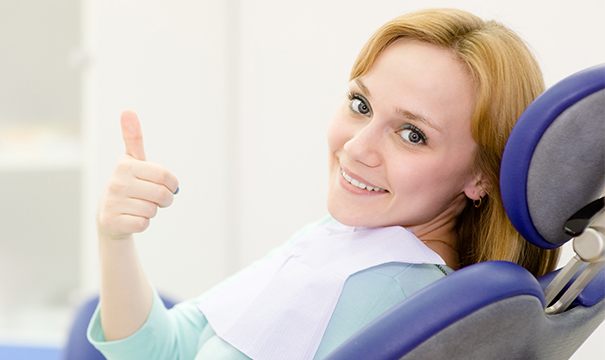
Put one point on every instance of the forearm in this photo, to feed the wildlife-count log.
(125, 294)
(135, 191)
(177, 333)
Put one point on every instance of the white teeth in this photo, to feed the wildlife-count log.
(359, 184)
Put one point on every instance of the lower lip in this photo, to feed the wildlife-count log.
(355, 190)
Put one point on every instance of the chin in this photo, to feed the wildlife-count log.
(357, 219)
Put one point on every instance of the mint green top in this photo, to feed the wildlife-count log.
(184, 333)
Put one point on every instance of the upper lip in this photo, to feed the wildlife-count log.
(359, 178)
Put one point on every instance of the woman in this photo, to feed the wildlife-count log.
(416, 145)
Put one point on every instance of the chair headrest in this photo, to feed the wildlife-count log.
(554, 161)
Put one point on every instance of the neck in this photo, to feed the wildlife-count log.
(440, 233)
(445, 249)
(441, 237)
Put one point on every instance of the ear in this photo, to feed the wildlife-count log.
(476, 187)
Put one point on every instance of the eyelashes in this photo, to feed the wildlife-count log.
(409, 133)
(412, 134)
(359, 104)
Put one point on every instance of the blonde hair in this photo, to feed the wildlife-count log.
(507, 80)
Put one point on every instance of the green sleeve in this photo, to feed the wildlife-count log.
(166, 334)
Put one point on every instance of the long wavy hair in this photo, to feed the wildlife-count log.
(507, 79)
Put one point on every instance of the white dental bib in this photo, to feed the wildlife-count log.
(279, 307)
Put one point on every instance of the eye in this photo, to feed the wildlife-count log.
(359, 104)
(412, 134)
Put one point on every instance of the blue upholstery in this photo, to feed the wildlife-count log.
(524, 138)
(29, 352)
(78, 347)
(438, 306)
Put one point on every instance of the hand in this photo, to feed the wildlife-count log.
(136, 189)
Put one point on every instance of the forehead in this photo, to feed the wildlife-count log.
(422, 78)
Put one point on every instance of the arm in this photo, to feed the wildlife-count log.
(125, 293)
(166, 334)
(135, 191)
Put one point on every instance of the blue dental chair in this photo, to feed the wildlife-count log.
(552, 182)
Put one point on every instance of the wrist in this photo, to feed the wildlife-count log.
(105, 237)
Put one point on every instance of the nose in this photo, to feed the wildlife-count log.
(364, 145)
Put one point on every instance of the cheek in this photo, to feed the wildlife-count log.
(405, 173)
(427, 176)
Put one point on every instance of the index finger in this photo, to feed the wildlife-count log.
(156, 174)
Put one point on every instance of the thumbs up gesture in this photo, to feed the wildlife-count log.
(136, 189)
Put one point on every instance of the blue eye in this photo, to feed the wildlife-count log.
(359, 104)
(412, 134)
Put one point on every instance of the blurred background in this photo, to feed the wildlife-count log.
(234, 97)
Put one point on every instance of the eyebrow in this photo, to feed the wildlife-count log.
(362, 87)
(405, 113)
(416, 117)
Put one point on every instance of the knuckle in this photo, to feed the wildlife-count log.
(140, 224)
(153, 210)
(124, 166)
(116, 186)
(159, 194)
(164, 176)
(167, 198)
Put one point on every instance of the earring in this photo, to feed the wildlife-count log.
(477, 203)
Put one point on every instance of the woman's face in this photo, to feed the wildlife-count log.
(404, 130)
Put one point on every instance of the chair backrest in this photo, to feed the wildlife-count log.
(553, 165)
(490, 310)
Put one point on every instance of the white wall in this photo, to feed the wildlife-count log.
(167, 60)
(235, 96)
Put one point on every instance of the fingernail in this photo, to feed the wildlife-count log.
(176, 191)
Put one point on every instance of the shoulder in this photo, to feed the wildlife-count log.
(369, 293)
(413, 277)
(406, 277)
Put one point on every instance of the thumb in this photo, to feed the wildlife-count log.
(132, 135)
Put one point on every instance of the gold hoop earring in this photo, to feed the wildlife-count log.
(477, 203)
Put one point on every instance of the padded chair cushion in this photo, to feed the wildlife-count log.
(438, 306)
(557, 140)
(568, 150)
(515, 328)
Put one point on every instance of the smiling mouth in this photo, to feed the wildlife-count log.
(359, 184)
